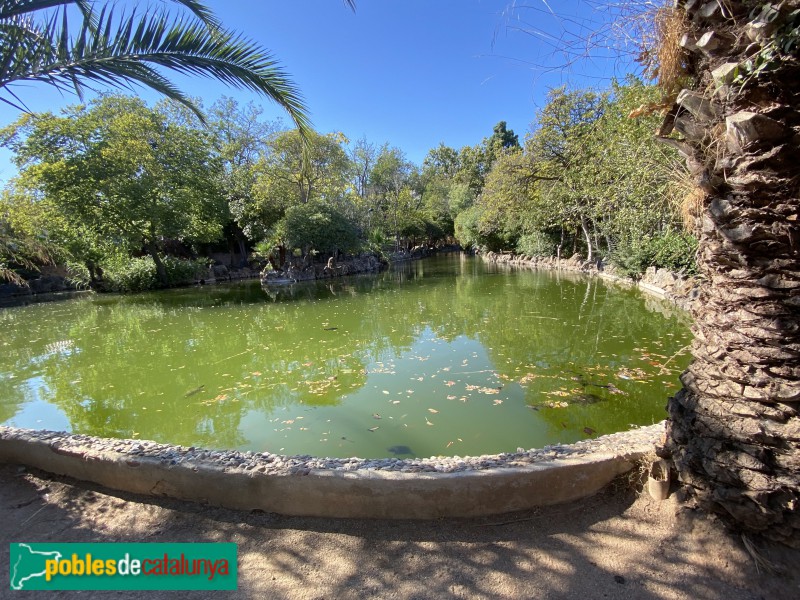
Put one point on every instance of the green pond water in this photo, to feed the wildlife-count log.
(446, 356)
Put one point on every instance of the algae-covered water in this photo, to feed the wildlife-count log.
(446, 356)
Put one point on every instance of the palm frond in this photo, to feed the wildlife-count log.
(15, 8)
(129, 50)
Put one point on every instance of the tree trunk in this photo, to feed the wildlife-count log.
(585, 229)
(161, 271)
(734, 429)
(242, 251)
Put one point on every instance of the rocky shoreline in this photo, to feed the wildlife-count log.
(365, 263)
(681, 290)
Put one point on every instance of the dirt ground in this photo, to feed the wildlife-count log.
(614, 545)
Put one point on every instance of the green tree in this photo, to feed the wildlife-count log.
(390, 179)
(317, 225)
(442, 161)
(293, 171)
(241, 138)
(501, 139)
(122, 173)
(566, 158)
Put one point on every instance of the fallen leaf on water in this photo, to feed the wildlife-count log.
(433, 410)
(427, 422)
(497, 401)
(386, 392)
(395, 401)
(373, 428)
(451, 397)
(449, 444)
(449, 383)
(588, 430)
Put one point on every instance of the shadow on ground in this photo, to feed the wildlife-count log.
(614, 545)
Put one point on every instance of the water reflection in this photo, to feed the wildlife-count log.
(442, 356)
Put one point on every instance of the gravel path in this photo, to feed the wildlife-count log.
(615, 545)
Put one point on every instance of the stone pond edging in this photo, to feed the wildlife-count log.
(337, 488)
(675, 287)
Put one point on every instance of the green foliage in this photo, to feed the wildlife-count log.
(537, 243)
(470, 231)
(783, 41)
(588, 177)
(293, 170)
(319, 226)
(116, 175)
(671, 250)
(125, 274)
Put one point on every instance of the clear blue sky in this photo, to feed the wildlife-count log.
(413, 73)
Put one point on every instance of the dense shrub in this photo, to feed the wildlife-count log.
(537, 243)
(182, 272)
(124, 274)
(671, 250)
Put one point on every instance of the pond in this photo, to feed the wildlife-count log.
(446, 356)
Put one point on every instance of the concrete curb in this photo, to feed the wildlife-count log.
(338, 493)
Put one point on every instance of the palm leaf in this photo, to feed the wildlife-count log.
(121, 52)
(15, 8)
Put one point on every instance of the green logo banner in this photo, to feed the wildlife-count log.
(123, 566)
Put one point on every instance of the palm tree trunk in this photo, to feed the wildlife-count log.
(734, 429)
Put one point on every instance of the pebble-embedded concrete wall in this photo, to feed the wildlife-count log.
(303, 485)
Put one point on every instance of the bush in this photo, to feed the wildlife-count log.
(672, 250)
(537, 243)
(183, 272)
(125, 274)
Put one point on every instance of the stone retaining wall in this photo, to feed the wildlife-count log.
(325, 487)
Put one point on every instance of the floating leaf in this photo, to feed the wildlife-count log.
(433, 410)
(588, 430)
(373, 428)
